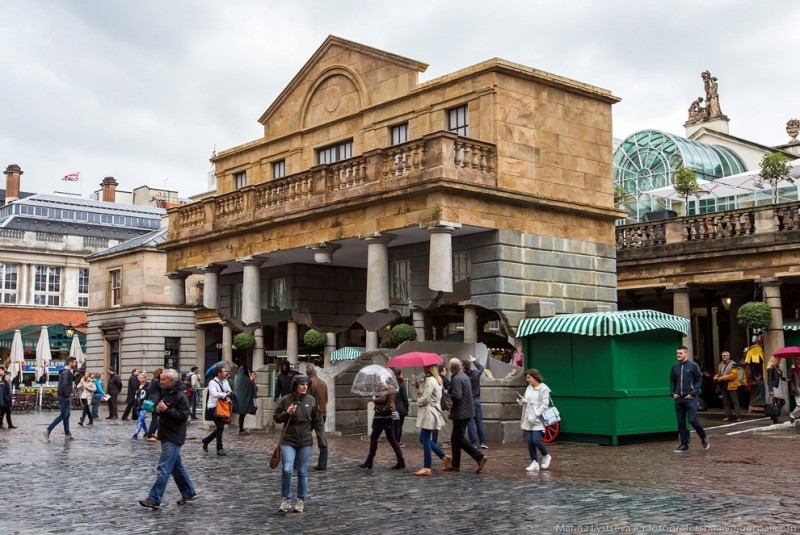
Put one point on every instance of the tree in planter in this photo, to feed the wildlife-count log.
(774, 168)
(685, 183)
(403, 333)
(314, 338)
(244, 341)
(754, 315)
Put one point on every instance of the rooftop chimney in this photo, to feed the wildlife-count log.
(12, 172)
(109, 186)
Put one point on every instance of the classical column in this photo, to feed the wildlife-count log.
(330, 347)
(418, 316)
(227, 342)
(211, 285)
(372, 340)
(24, 284)
(177, 287)
(440, 257)
(378, 271)
(200, 348)
(291, 341)
(258, 350)
(773, 337)
(251, 290)
(470, 324)
(683, 308)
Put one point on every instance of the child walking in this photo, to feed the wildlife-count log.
(141, 423)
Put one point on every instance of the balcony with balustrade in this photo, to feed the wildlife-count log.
(438, 160)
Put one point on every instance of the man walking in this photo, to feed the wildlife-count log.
(194, 380)
(173, 411)
(477, 420)
(130, 397)
(319, 391)
(728, 380)
(463, 409)
(66, 382)
(113, 390)
(685, 379)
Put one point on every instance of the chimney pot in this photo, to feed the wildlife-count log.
(12, 172)
(109, 186)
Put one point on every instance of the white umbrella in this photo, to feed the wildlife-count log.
(708, 188)
(76, 351)
(43, 355)
(17, 356)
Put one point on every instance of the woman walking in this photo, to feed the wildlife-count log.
(98, 394)
(87, 388)
(429, 417)
(382, 422)
(218, 388)
(154, 394)
(301, 415)
(245, 395)
(776, 391)
(534, 403)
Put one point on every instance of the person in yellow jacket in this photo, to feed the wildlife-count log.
(728, 380)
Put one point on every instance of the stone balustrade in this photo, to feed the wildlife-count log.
(712, 226)
(451, 156)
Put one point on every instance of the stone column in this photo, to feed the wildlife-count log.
(200, 349)
(258, 350)
(227, 342)
(177, 287)
(773, 337)
(470, 324)
(24, 284)
(211, 285)
(683, 308)
(330, 347)
(372, 340)
(251, 290)
(440, 257)
(378, 271)
(418, 316)
(291, 341)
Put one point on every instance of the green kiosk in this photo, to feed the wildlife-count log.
(608, 371)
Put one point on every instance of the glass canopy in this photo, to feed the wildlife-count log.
(647, 160)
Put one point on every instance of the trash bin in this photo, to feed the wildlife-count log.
(608, 371)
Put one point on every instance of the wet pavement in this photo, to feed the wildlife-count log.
(92, 485)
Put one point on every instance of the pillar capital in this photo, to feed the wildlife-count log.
(678, 288)
(323, 252)
(251, 261)
(773, 282)
(177, 275)
(212, 268)
(441, 226)
(379, 237)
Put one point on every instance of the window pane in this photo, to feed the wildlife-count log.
(279, 169)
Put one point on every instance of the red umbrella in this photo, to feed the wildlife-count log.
(415, 359)
(788, 352)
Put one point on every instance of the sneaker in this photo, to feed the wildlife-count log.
(186, 499)
(46, 435)
(80, 423)
(484, 446)
(546, 461)
(244, 434)
(726, 419)
(134, 437)
(533, 467)
(69, 437)
(299, 506)
(791, 420)
(150, 504)
(681, 449)
(705, 442)
(285, 506)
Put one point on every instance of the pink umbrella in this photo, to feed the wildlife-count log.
(787, 352)
(414, 359)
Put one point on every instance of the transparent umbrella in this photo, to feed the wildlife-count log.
(374, 379)
(17, 356)
(76, 351)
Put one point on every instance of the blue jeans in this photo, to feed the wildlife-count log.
(288, 454)
(476, 420)
(534, 441)
(170, 464)
(63, 405)
(141, 423)
(428, 446)
(687, 408)
(96, 405)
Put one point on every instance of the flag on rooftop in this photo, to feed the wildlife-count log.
(72, 177)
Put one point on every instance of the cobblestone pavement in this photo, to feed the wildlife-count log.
(92, 485)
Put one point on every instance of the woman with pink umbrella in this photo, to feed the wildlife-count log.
(429, 416)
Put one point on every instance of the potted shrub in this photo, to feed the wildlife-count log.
(244, 341)
(754, 315)
(314, 338)
(403, 333)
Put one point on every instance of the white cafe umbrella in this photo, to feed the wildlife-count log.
(17, 356)
(76, 351)
(708, 188)
(43, 355)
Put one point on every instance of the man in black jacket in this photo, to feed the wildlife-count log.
(113, 390)
(173, 411)
(477, 420)
(685, 380)
(463, 409)
(66, 382)
(130, 398)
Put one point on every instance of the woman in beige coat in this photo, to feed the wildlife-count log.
(429, 416)
(87, 388)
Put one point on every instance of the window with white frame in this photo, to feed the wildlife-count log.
(83, 287)
(278, 293)
(115, 284)
(239, 180)
(457, 120)
(399, 133)
(279, 169)
(335, 153)
(47, 286)
(236, 300)
(462, 265)
(400, 283)
(8, 283)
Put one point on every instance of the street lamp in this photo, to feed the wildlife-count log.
(70, 330)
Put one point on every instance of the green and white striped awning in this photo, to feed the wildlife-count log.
(792, 325)
(604, 323)
(347, 353)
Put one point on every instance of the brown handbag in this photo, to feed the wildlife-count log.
(223, 410)
(276, 455)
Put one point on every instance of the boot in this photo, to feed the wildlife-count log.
(366, 464)
(400, 465)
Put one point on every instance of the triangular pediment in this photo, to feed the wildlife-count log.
(340, 76)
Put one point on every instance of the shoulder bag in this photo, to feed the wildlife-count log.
(223, 408)
(276, 455)
(551, 415)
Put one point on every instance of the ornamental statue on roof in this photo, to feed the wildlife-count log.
(712, 110)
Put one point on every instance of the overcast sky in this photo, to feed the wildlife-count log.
(144, 90)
